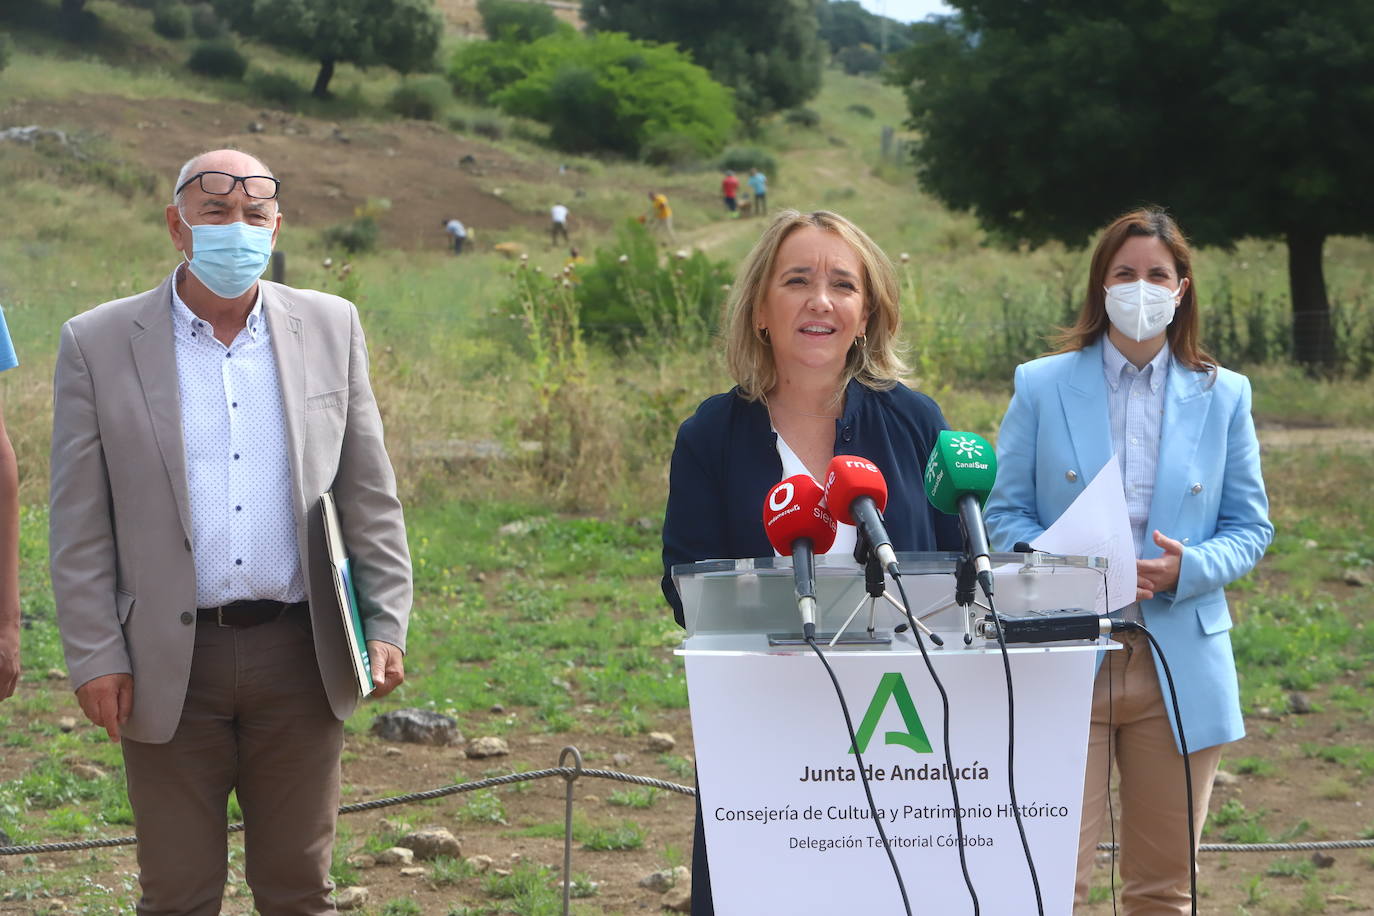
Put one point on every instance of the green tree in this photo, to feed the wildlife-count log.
(75, 21)
(846, 24)
(611, 92)
(1245, 117)
(768, 51)
(517, 20)
(401, 34)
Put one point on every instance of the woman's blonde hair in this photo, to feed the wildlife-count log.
(875, 360)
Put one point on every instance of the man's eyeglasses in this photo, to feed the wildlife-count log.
(258, 187)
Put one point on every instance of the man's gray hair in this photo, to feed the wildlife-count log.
(189, 169)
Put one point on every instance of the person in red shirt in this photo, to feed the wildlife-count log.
(729, 186)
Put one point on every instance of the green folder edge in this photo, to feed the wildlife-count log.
(346, 571)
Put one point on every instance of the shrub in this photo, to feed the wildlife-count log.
(422, 99)
(217, 58)
(354, 236)
(479, 69)
(487, 126)
(205, 24)
(622, 300)
(860, 109)
(803, 117)
(743, 158)
(277, 87)
(672, 149)
(857, 59)
(171, 20)
(516, 21)
(6, 50)
(360, 233)
(610, 92)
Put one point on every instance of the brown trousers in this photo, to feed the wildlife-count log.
(1152, 824)
(256, 720)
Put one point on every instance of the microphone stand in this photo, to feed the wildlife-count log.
(875, 588)
(965, 585)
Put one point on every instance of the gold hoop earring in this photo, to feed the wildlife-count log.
(861, 342)
(762, 334)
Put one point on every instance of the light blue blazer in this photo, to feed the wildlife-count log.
(1208, 494)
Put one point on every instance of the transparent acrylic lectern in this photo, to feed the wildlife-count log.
(788, 827)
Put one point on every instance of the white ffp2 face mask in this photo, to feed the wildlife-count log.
(1141, 310)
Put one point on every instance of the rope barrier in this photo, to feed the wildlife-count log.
(572, 773)
(1269, 847)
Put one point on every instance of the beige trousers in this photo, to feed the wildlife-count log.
(1131, 728)
(256, 720)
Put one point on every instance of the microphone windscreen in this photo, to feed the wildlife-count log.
(849, 478)
(792, 511)
(960, 463)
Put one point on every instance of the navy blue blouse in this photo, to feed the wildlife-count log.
(726, 460)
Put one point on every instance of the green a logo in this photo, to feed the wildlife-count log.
(893, 687)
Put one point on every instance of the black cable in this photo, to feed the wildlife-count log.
(1111, 754)
(1187, 764)
(1011, 756)
(863, 777)
(949, 760)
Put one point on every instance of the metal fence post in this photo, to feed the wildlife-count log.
(568, 819)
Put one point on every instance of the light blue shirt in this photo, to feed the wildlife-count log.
(758, 183)
(238, 470)
(1135, 407)
(8, 359)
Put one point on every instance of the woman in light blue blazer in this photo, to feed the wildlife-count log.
(1131, 378)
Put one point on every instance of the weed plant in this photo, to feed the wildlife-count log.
(634, 798)
(623, 836)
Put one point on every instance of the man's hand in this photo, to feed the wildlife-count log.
(1160, 574)
(388, 666)
(9, 663)
(107, 701)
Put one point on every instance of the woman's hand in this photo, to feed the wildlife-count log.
(1161, 573)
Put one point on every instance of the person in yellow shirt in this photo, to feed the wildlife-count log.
(662, 214)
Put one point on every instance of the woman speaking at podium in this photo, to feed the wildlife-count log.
(1130, 377)
(810, 330)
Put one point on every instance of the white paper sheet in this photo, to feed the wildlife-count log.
(1096, 524)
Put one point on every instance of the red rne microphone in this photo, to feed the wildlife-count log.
(856, 493)
(798, 526)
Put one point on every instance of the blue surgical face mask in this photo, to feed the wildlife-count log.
(229, 257)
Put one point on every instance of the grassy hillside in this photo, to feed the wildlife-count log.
(504, 444)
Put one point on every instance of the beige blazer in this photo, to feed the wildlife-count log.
(122, 569)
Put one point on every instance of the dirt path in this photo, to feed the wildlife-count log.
(1274, 436)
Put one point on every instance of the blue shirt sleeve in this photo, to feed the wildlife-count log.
(8, 358)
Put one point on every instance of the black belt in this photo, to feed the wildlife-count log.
(248, 613)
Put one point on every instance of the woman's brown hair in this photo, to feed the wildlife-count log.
(1151, 222)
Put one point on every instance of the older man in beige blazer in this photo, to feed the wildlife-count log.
(195, 427)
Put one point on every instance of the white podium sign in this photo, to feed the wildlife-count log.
(788, 828)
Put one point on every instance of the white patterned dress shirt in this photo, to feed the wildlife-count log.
(238, 470)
